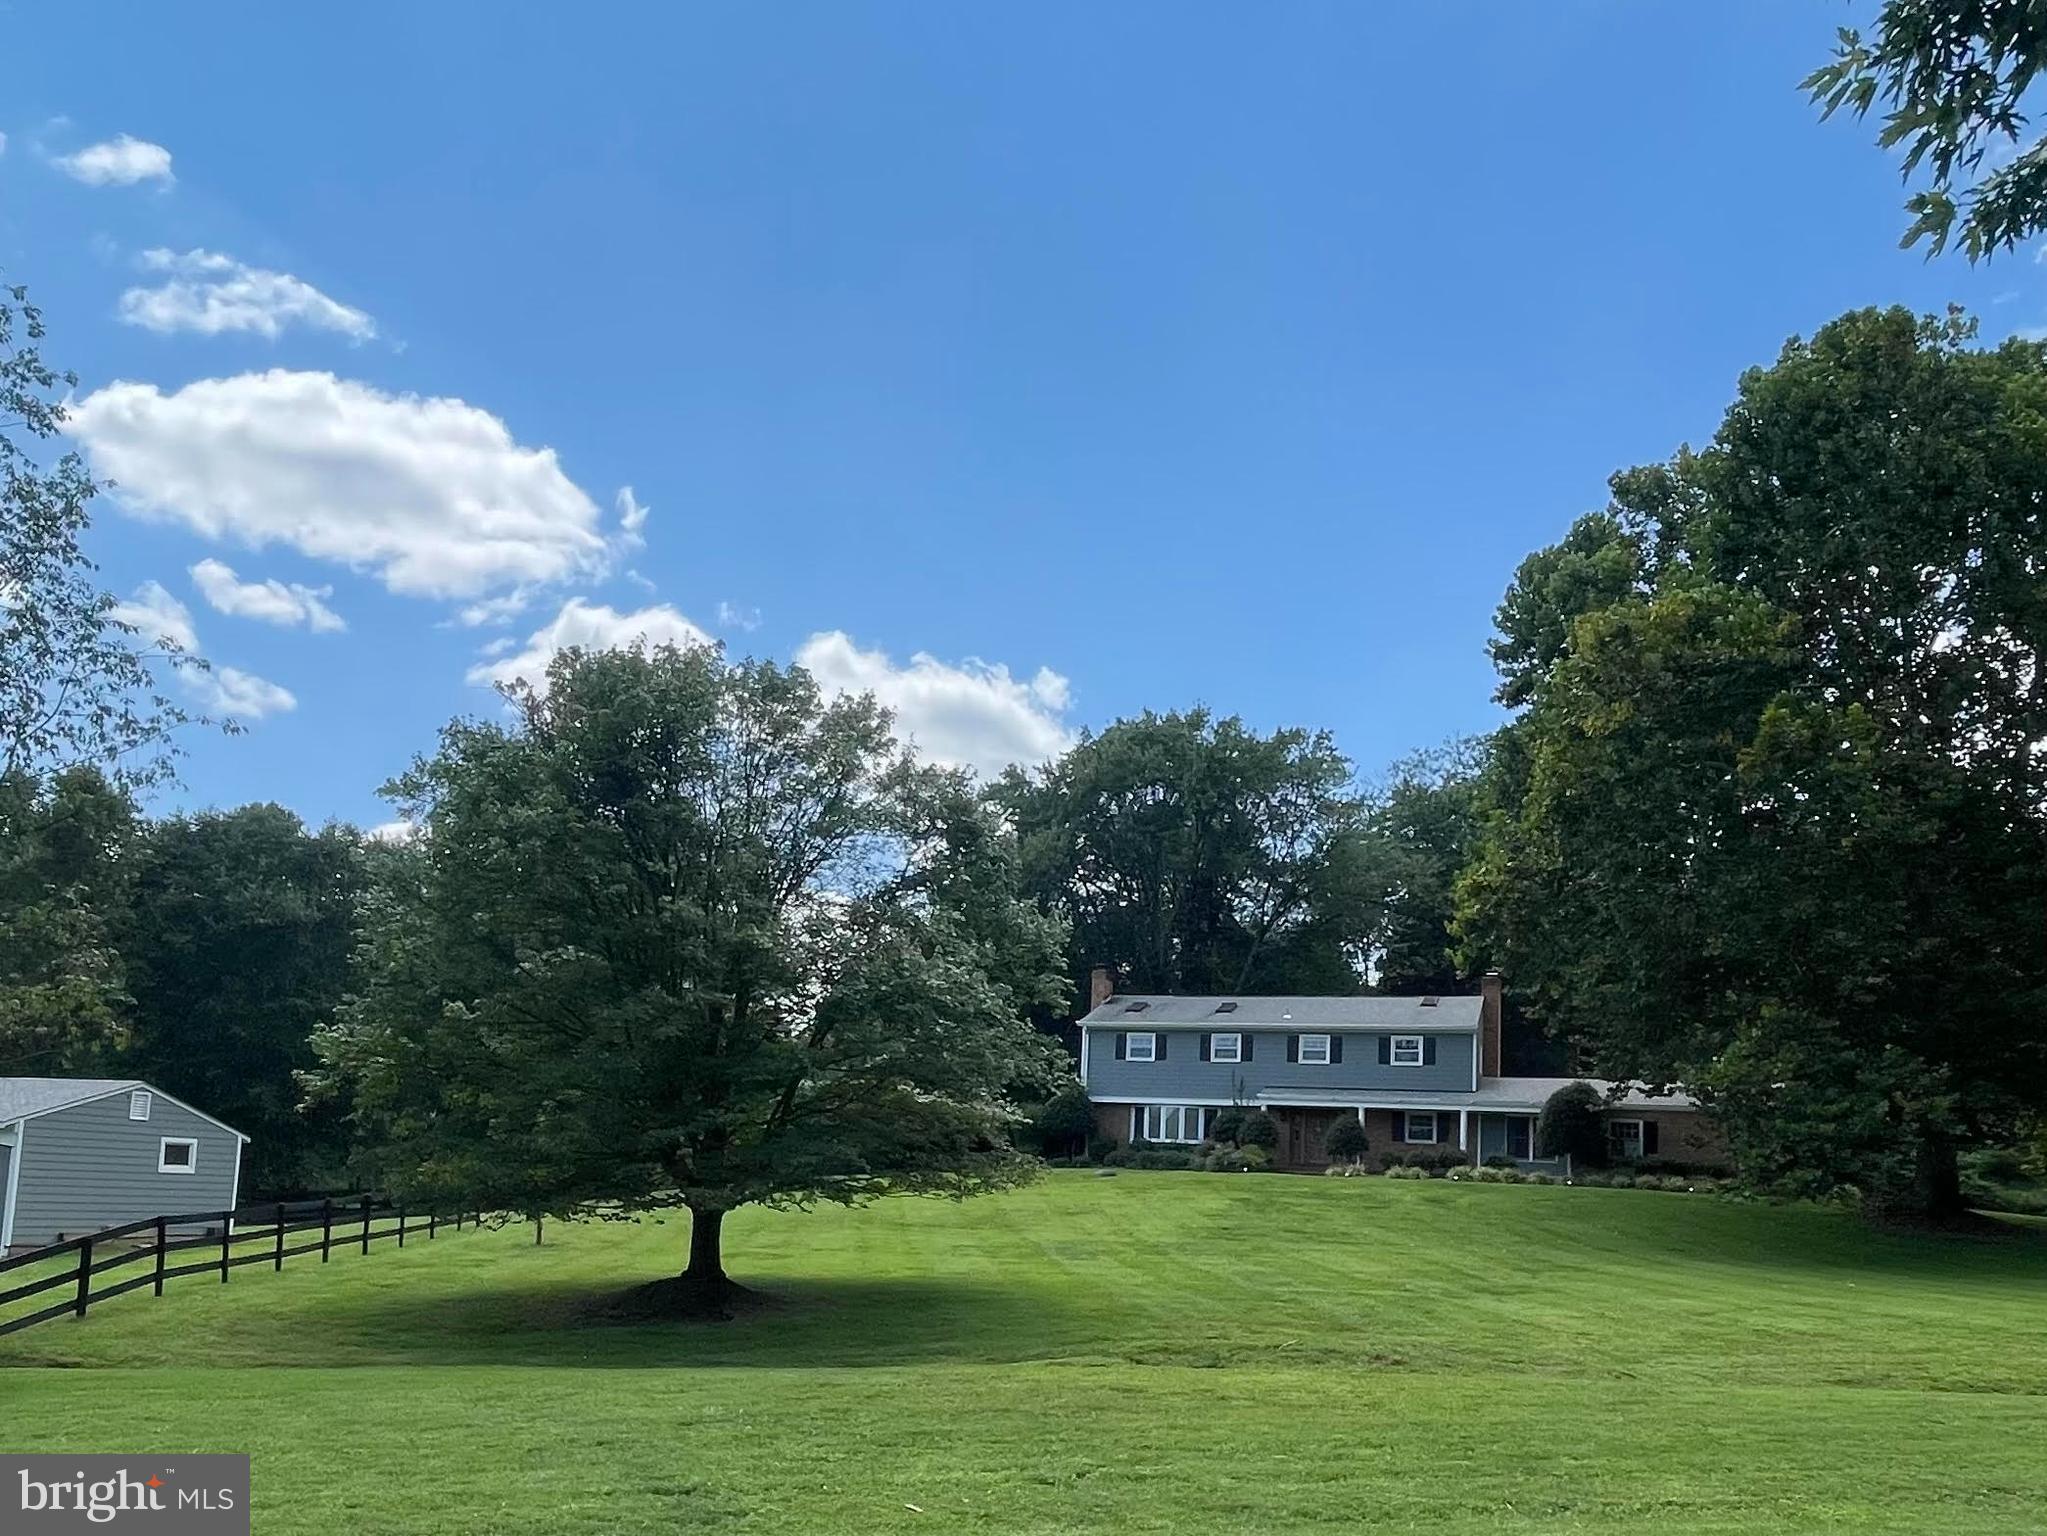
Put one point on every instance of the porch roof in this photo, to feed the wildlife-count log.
(1515, 1095)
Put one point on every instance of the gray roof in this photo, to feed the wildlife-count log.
(1520, 1094)
(1451, 1013)
(23, 1098)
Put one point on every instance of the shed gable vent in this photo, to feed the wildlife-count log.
(139, 1104)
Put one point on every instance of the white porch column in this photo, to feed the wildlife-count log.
(1463, 1130)
(1361, 1114)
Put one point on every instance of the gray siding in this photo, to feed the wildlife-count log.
(1184, 1077)
(90, 1166)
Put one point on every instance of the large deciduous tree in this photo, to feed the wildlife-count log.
(78, 685)
(1774, 820)
(66, 870)
(682, 934)
(1419, 831)
(1194, 855)
(1951, 79)
(237, 944)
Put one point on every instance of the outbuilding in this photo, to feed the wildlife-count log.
(80, 1154)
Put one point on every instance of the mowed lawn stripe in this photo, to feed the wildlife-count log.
(1143, 1352)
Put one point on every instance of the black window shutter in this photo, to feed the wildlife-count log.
(1335, 1050)
(1293, 1047)
(1158, 1047)
(1400, 1125)
(1204, 1046)
(1244, 1046)
(1385, 1050)
(1122, 1044)
(1648, 1136)
(1428, 1050)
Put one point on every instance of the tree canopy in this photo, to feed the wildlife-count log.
(1950, 78)
(1774, 820)
(1192, 854)
(684, 934)
(79, 685)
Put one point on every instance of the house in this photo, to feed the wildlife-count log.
(1418, 1072)
(78, 1154)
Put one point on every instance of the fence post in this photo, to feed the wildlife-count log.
(227, 1228)
(84, 1275)
(277, 1261)
(401, 1226)
(162, 1241)
(326, 1227)
(365, 1225)
(431, 1218)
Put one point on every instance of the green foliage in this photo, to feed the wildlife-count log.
(1773, 823)
(1064, 1120)
(1345, 1140)
(1226, 1125)
(1952, 78)
(1258, 1129)
(1417, 837)
(78, 685)
(66, 856)
(1573, 1125)
(687, 934)
(1194, 855)
(1236, 1160)
(237, 944)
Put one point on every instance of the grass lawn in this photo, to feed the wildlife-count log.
(1170, 1352)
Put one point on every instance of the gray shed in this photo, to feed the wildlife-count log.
(78, 1154)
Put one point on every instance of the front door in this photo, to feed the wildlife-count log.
(1296, 1138)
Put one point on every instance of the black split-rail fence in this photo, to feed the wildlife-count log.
(262, 1234)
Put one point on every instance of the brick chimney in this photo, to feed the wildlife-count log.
(1490, 988)
(1101, 986)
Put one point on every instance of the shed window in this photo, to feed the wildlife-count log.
(139, 1104)
(1315, 1050)
(1407, 1050)
(177, 1154)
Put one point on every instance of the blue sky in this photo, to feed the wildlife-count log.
(1103, 357)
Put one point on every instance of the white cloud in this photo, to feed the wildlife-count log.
(157, 617)
(211, 293)
(495, 610)
(118, 162)
(732, 616)
(3, 143)
(632, 517)
(974, 715)
(432, 494)
(400, 831)
(592, 627)
(273, 602)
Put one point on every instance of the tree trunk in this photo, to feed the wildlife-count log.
(706, 1255)
(1931, 1197)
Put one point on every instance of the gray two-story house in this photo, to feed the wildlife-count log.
(1416, 1071)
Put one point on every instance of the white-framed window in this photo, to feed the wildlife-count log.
(1314, 1050)
(1626, 1136)
(1421, 1126)
(177, 1154)
(1172, 1122)
(1521, 1136)
(1141, 1047)
(140, 1103)
(1408, 1051)
(1225, 1047)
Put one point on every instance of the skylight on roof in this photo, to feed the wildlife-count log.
(1229, 1007)
(1136, 1007)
